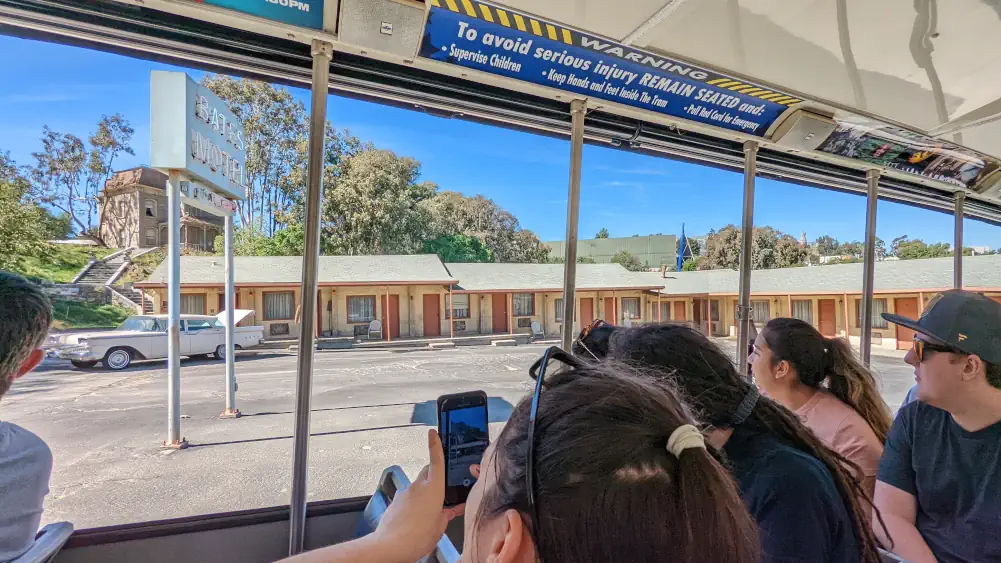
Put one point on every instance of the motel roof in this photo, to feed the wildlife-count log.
(934, 274)
(477, 278)
(287, 270)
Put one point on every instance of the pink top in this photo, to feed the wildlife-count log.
(843, 430)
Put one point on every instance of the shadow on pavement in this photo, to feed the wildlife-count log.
(426, 413)
(268, 413)
(312, 435)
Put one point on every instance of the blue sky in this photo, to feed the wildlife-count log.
(70, 88)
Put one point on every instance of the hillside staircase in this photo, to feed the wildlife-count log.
(108, 271)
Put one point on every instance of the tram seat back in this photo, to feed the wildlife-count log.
(393, 481)
(47, 544)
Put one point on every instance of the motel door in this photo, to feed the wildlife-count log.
(679, 311)
(499, 312)
(610, 315)
(586, 311)
(906, 307)
(828, 320)
(432, 314)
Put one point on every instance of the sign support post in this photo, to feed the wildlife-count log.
(174, 439)
(200, 144)
(231, 410)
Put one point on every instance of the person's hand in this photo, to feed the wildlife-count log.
(416, 519)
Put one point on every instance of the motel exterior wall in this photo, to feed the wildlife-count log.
(906, 286)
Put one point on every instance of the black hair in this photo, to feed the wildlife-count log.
(714, 388)
(817, 359)
(606, 487)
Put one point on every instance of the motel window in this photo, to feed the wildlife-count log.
(361, 308)
(150, 208)
(524, 304)
(878, 308)
(559, 310)
(459, 308)
(193, 304)
(760, 312)
(631, 308)
(151, 237)
(803, 310)
(279, 306)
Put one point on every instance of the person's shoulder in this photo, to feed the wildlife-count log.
(17, 442)
(786, 464)
(918, 413)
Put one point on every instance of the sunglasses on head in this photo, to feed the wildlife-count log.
(922, 347)
(584, 332)
(538, 373)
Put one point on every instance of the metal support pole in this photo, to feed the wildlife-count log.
(746, 237)
(869, 267)
(957, 247)
(322, 53)
(174, 439)
(578, 109)
(230, 410)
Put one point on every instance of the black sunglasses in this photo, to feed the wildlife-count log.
(922, 347)
(538, 372)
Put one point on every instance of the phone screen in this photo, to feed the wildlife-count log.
(468, 436)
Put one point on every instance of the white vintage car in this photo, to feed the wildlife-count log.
(144, 337)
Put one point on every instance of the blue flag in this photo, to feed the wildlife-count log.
(684, 249)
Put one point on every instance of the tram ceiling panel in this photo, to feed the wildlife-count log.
(180, 40)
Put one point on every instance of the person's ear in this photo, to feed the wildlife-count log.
(782, 369)
(972, 366)
(31, 362)
(512, 543)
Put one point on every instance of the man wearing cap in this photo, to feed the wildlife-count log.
(939, 482)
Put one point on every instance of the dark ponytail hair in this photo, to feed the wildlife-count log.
(708, 378)
(607, 488)
(817, 359)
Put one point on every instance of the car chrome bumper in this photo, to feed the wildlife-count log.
(77, 353)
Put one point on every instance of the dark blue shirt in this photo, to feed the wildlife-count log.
(955, 475)
(794, 500)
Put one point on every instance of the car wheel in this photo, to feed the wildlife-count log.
(118, 358)
(83, 365)
(220, 352)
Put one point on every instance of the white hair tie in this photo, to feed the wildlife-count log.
(684, 437)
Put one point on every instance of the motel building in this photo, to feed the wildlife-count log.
(415, 296)
(827, 297)
(418, 296)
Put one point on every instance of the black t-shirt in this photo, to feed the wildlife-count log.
(955, 476)
(794, 500)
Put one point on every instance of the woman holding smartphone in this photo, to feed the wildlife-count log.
(627, 477)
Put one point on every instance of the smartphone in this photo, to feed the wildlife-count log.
(462, 425)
